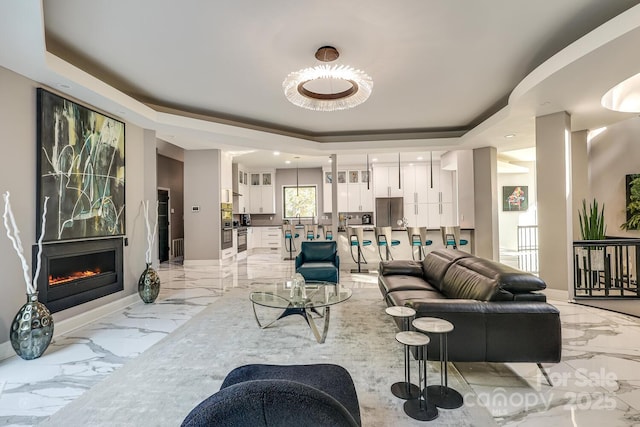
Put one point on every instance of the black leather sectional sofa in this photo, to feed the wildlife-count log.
(498, 313)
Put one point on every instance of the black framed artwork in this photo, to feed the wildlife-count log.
(515, 198)
(81, 168)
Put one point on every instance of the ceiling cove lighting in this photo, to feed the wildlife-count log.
(624, 96)
(327, 87)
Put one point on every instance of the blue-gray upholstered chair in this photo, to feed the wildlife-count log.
(318, 261)
(272, 395)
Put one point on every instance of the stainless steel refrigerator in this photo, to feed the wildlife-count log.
(389, 210)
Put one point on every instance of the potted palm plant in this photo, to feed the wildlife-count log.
(592, 227)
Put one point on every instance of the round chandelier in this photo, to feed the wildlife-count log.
(327, 87)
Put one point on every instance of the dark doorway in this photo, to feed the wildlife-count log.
(163, 225)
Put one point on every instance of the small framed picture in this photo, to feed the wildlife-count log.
(327, 178)
(342, 177)
(515, 198)
(364, 176)
(353, 177)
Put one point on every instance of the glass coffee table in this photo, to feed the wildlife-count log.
(320, 296)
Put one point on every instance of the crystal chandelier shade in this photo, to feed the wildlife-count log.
(358, 84)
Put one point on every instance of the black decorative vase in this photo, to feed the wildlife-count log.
(32, 329)
(149, 285)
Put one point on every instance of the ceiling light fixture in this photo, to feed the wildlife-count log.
(327, 87)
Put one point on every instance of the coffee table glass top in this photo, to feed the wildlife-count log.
(318, 295)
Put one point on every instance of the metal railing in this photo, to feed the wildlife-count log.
(528, 248)
(606, 268)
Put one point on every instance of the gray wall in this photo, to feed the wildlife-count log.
(202, 188)
(18, 175)
(485, 187)
(171, 176)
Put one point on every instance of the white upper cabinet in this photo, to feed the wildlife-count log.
(387, 181)
(262, 198)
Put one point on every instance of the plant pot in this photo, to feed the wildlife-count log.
(149, 285)
(591, 259)
(32, 329)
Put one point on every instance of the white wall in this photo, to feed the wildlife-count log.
(613, 154)
(18, 175)
(510, 220)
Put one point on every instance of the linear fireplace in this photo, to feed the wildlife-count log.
(76, 272)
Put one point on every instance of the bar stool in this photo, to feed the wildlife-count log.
(289, 235)
(383, 238)
(418, 237)
(328, 233)
(356, 238)
(404, 389)
(441, 395)
(421, 408)
(311, 232)
(451, 236)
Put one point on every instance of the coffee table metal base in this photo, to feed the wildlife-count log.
(306, 313)
(444, 397)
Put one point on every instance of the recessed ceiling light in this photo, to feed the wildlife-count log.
(374, 160)
(330, 160)
(276, 153)
(419, 157)
(511, 135)
(287, 161)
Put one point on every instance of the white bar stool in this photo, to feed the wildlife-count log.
(441, 395)
(404, 390)
(421, 408)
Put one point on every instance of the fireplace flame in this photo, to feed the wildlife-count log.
(73, 276)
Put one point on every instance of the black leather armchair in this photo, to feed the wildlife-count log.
(319, 261)
(271, 395)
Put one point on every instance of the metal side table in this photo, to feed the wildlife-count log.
(421, 408)
(404, 389)
(441, 395)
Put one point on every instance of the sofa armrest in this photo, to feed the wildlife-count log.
(299, 260)
(403, 267)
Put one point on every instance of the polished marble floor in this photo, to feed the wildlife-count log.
(597, 383)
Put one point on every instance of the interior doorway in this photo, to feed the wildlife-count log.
(163, 224)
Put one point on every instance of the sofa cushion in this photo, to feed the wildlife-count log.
(462, 282)
(400, 267)
(401, 298)
(436, 263)
(508, 278)
(403, 283)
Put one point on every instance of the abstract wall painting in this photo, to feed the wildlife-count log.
(81, 165)
(515, 198)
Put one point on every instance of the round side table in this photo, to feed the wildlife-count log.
(441, 395)
(404, 389)
(422, 408)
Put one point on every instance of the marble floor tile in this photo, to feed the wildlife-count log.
(597, 382)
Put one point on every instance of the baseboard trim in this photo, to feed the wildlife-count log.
(557, 294)
(67, 325)
(201, 262)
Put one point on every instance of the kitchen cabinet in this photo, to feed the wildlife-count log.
(240, 189)
(440, 199)
(265, 237)
(353, 195)
(262, 198)
(386, 180)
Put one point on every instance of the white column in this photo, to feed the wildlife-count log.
(335, 220)
(555, 211)
(202, 192)
(485, 187)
